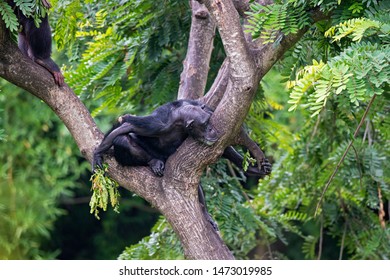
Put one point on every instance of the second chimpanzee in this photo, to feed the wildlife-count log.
(35, 42)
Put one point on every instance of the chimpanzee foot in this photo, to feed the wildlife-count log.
(58, 78)
(157, 167)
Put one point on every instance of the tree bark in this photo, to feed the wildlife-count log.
(196, 64)
(175, 194)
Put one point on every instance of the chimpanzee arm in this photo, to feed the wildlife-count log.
(252, 146)
(236, 158)
(202, 201)
(264, 167)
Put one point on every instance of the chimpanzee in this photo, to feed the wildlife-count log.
(35, 42)
(150, 140)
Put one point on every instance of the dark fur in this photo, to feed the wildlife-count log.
(150, 140)
(35, 42)
(139, 140)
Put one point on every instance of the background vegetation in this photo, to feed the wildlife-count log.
(126, 56)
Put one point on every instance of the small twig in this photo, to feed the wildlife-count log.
(342, 241)
(321, 238)
(358, 167)
(233, 173)
(314, 132)
(344, 155)
(381, 212)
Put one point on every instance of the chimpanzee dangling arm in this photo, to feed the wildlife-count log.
(263, 167)
(107, 142)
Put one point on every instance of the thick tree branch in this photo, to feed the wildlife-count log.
(237, 81)
(217, 90)
(200, 45)
(229, 27)
(241, 83)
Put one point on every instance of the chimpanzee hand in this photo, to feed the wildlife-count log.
(157, 167)
(256, 171)
(97, 162)
(266, 167)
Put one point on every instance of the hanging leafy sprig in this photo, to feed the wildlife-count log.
(104, 190)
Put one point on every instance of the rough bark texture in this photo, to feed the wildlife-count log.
(175, 194)
(196, 65)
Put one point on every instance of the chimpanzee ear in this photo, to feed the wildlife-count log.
(189, 124)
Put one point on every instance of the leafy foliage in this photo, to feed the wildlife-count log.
(8, 16)
(39, 166)
(270, 22)
(30, 8)
(339, 75)
(359, 72)
(162, 244)
(127, 51)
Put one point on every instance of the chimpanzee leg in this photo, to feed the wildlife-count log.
(39, 46)
(23, 44)
(145, 126)
(128, 153)
(202, 202)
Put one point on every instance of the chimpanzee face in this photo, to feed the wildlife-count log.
(198, 126)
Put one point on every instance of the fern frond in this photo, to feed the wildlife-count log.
(361, 71)
(355, 28)
(8, 16)
(306, 79)
(267, 21)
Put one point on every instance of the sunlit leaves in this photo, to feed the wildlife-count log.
(361, 71)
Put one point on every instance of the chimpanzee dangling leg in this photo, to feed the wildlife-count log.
(35, 42)
(206, 214)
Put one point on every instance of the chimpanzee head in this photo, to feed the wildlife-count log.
(197, 124)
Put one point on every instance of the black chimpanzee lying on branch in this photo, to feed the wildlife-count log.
(150, 140)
